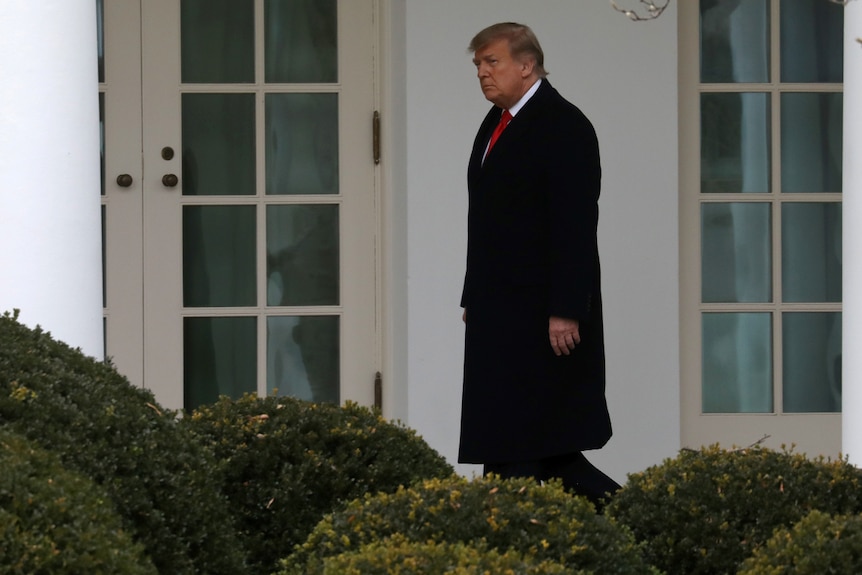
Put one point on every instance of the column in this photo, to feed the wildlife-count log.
(852, 241)
(50, 218)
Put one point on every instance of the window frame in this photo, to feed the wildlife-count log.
(809, 432)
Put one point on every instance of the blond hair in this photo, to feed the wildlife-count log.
(522, 43)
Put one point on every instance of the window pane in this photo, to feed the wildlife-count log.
(100, 37)
(737, 363)
(302, 357)
(811, 146)
(218, 256)
(301, 41)
(217, 41)
(812, 36)
(102, 139)
(735, 142)
(736, 252)
(104, 260)
(220, 358)
(812, 362)
(301, 144)
(218, 144)
(734, 41)
(811, 252)
(302, 255)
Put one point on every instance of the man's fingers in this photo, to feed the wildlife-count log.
(564, 335)
(563, 344)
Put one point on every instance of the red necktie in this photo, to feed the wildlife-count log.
(504, 121)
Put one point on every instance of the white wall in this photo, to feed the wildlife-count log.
(623, 75)
(49, 169)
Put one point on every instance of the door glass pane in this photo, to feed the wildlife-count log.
(737, 363)
(220, 358)
(812, 39)
(812, 362)
(734, 41)
(811, 252)
(217, 38)
(219, 256)
(302, 356)
(811, 145)
(218, 144)
(102, 138)
(301, 41)
(302, 255)
(301, 143)
(100, 37)
(736, 256)
(735, 142)
(104, 261)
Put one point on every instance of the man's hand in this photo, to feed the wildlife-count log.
(564, 334)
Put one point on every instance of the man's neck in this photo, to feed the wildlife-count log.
(525, 97)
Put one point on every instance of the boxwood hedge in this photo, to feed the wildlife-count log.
(816, 545)
(286, 463)
(56, 522)
(539, 522)
(398, 556)
(707, 510)
(161, 481)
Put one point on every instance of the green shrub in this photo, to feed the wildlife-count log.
(287, 463)
(161, 481)
(541, 522)
(816, 545)
(56, 522)
(706, 511)
(397, 555)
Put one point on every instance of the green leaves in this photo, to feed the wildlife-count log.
(56, 522)
(705, 511)
(539, 523)
(816, 545)
(286, 463)
(157, 477)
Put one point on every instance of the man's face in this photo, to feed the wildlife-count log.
(503, 79)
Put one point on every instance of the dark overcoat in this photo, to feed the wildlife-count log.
(531, 254)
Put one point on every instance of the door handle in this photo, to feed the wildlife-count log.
(124, 180)
(170, 180)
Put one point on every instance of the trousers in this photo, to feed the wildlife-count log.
(577, 474)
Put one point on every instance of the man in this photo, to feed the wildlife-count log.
(534, 369)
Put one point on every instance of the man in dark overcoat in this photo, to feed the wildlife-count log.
(534, 367)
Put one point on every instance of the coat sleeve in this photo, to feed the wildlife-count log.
(574, 182)
(473, 167)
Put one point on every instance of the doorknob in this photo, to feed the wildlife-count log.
(170, 180)
(124, 180)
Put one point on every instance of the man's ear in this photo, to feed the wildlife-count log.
(527, 67)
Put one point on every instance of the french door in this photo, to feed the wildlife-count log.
(239, 197)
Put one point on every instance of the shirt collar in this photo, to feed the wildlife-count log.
(517, 107)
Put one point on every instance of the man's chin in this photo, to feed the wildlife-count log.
(491, 95)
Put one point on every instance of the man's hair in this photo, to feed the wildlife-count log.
(522, 42)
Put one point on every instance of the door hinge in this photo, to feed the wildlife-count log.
(375, 142)
(378, 390)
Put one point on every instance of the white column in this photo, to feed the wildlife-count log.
(50, 238)
(852, 241)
